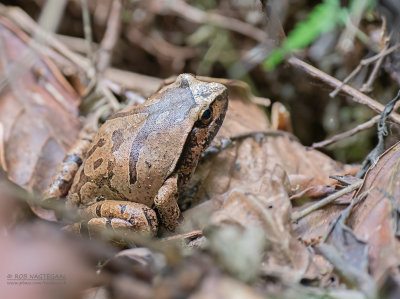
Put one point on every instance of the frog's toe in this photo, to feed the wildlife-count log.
(121, 215)
(96, 226)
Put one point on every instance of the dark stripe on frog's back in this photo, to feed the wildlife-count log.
(100, 143)
(177, 101)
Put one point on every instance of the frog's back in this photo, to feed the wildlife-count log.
(136, 150)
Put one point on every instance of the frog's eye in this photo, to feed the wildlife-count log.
(205, 117)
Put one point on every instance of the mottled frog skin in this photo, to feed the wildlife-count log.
(141, 157)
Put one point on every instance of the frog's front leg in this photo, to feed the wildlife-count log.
(65, 173)
(166, 203)
(120, 216)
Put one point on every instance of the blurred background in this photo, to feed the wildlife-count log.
(233, 39)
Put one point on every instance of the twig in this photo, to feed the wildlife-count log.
(363, 63)
(159, 47)
(76, 44)
(190, 235)
(143, 84)
(357, 96)
(367, 87)
(348, 133)
(346, 42)
(19, 17)
(257, 135)
(382, 132)
(51, 14)
(346, 80)
(110, 37)
(323, 202)
(198, 16)
(87, 29)
(108, 95)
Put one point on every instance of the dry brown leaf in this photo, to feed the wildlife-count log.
(376, 219)
(313, 227)
(141, 263)
(348, 254)
(254, 149)
(266, 205)
(249, 182)
(220, 287)
(38, 111)
(43, 252)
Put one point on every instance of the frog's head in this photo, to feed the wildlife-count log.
(211, 104)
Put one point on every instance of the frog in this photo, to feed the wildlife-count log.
(139, 160)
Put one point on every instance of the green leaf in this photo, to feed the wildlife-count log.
(323, 18)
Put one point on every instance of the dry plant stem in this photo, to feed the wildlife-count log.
(48, 20)
(348, 133)
(323, 202)
(346, 40)
(110, 37)
(108, 95)
(367, 87)
(190, 235)
(87, 29)
(379, 149)
(265, 133)
(198, 16)
(158, 46)
(359, 128)
(357, 96)
(363, 63)
(19, 17)
(127, 79)
(51, 15)
(106, 48)
(145, 85)
(76, 44)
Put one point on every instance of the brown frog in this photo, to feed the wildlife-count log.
(142, 156)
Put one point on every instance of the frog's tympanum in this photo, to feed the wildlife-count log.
(142, 156)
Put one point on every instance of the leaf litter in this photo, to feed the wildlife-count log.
(238, 238)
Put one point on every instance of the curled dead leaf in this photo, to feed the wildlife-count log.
(38, 111)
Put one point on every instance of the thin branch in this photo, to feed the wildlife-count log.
(348, 133)
(110, 37)
(144, 85)
(76, 44)
(51, 15)
(198, 16)
(374, 155)
(87, 29)
(367, 87)
(346, 40)
(323, 202)
(108, 95)
(185, 236)
(27, 24)
(363, 63)
(158, 46)
(357, 96)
